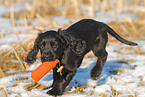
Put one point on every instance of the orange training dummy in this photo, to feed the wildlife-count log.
(45, 67)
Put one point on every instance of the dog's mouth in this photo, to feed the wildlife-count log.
(43, 59)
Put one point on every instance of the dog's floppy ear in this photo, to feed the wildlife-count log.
(78, 46)
(31, 57)
(63, 35)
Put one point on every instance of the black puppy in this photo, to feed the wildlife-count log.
(70, 46)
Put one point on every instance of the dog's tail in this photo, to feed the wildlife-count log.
(114, 34)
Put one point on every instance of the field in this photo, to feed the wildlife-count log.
(123, 74)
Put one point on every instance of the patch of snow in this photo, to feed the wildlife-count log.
(5, 47)
(11, 78)
(130, 77)
(75, 95)
(102, 88)
(12, 38)
(119, 81)
(108, 16)
(60, 20)
(2, 11)
(91, 82)
(34, 65)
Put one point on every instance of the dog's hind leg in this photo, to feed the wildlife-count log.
(100, 52)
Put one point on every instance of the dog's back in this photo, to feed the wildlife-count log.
(90, 28)
(86, 29)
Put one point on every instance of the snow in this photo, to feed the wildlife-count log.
(102, 88)
(60, 20)
(5, 47)
(102, 16)
(12, 38)
(119, 81)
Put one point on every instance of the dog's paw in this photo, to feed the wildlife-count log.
(54, 92)
(30, 60)
(95, 74)
(47, 89)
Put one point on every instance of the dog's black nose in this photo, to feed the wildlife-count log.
(47, 56)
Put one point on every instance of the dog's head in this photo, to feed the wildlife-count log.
(52, 45)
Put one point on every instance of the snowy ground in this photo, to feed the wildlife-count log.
(116, 60)
(8, 30)
(130, 75)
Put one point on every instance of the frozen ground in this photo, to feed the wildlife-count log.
(130, 75)
(8, 30)
(119, 81)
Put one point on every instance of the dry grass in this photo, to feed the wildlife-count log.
(115, 93)
(134, 29)
(102, 95)
(18, 52)
(4, 91)
(35, 85)
(78, 90)
(72, 9)
(131, 93)
(2, 73)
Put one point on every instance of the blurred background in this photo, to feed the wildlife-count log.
(21, 20)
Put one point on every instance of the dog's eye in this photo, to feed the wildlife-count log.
(55, 46)
(44, 44)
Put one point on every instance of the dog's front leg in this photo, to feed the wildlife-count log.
(70, 62)
(60, 85)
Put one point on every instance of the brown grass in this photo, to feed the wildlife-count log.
(44, 11)
(2, 74)
(115, 93)
(72, 9)
(78, 90)
(134, 29)
(18, 52)
(130, 91)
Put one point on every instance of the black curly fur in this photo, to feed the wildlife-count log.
(31, 57)
(70, 46)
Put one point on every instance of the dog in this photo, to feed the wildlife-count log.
(69, 46)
